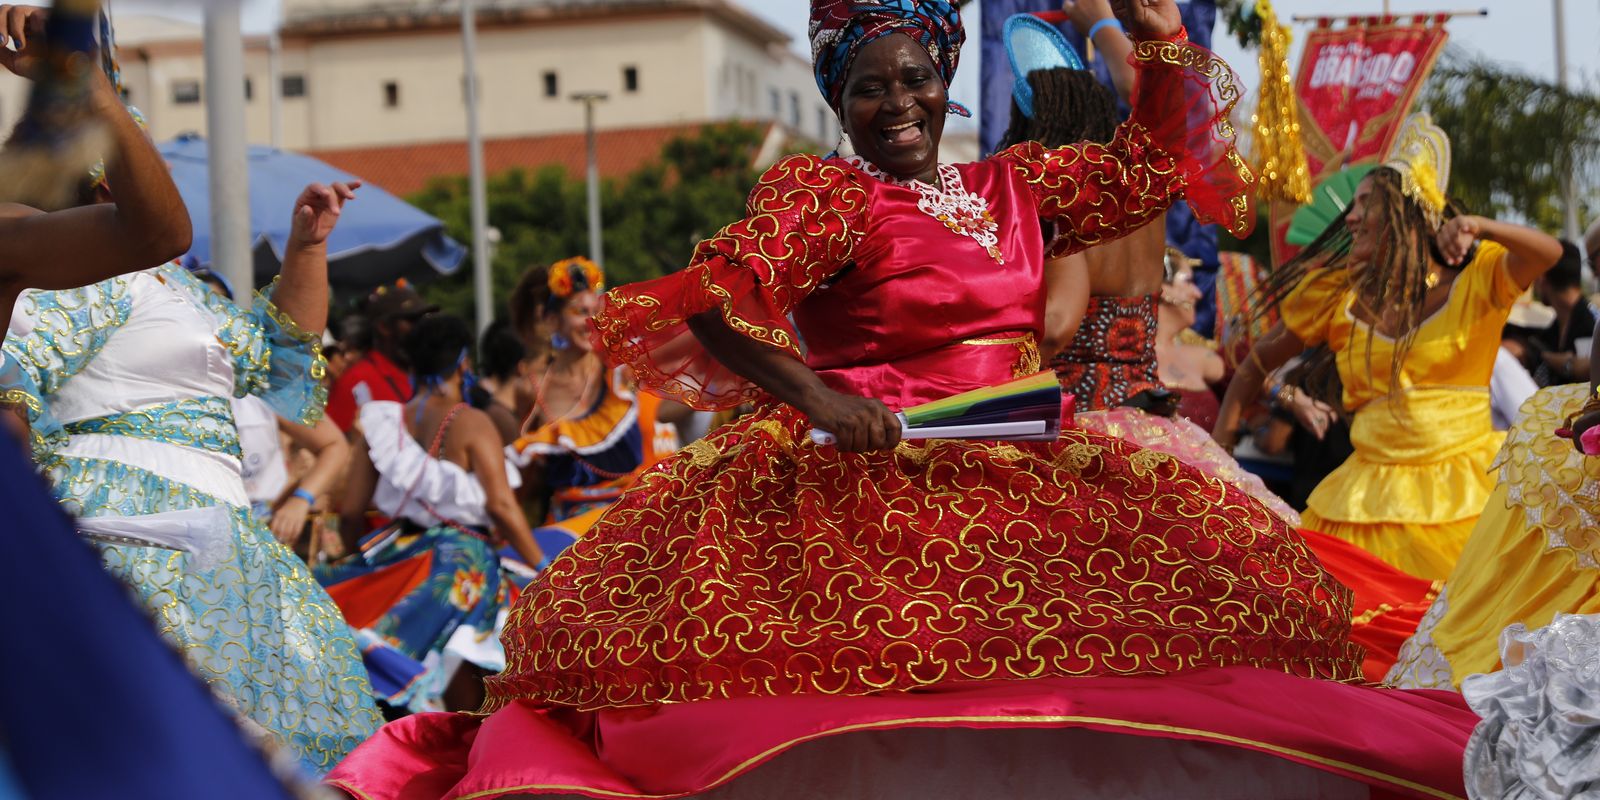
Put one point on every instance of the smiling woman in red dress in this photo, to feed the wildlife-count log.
(757, 592)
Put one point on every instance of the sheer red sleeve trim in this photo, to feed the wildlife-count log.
(802, 223)
(1179, 142)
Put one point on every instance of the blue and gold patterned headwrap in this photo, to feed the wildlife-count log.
(840, 28)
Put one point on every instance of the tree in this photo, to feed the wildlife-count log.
(652, 218)
(1513, 138)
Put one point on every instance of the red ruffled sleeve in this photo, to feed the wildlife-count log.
(802, 223)
(1178, 142)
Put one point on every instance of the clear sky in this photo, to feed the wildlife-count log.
(1519, 33)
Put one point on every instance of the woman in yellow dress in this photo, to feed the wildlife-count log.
(1411, 305)
(1535, 552)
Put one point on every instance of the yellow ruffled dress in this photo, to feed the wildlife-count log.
(1421, 471)
(1534, 553)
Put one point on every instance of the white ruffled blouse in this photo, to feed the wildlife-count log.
(414, 485)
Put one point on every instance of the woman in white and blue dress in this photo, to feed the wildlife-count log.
(127, 386)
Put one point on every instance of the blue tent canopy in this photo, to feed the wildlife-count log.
(379, 239)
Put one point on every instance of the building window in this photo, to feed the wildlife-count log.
(249, 90)
(794, 110)
(391, 94)
(630, 79)
(185, 92)
(824, 124)
(777, 102)
(552, 87)
(294, 86)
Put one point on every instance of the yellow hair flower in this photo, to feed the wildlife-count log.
(575, 275)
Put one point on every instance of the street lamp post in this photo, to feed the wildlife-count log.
(482, 298)
(1569, 192)
(589, 99)
(227, 164)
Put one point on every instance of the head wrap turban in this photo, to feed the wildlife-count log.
(840, 28)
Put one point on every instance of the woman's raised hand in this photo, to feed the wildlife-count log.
(859, 424)
(1456, 236)
(22, 28)
(1149, 19)
(317, 209)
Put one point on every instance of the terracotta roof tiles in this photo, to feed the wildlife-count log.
(405, 169)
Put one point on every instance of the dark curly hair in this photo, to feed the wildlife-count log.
(435, 346)
(1070, 105)
(500, 351)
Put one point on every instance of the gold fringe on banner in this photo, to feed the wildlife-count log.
(1280, 160)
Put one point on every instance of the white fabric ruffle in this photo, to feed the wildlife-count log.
(207, 532)
(1540, 734)
(413, 485)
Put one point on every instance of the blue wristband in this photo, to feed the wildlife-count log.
(310, 498)
(1095, 28)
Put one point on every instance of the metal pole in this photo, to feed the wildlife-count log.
(1569, 192)
(226, 159)
(588, 99)
(1319, 18)
(596, 253)
(482, 297)
(275, 88)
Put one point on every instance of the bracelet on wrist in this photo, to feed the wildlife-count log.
(310, 498)
(1108, 22)
(1181, 37)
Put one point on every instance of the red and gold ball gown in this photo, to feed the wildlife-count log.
(757, 592)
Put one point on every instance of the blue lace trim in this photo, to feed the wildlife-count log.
(204, 423)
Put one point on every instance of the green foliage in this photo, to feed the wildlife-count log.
(1513, 138)
(651, 219)
(1239, 16)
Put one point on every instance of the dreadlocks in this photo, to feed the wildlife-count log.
(1072, 106)
(1391, 288)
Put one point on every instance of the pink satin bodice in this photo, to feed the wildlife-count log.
(923, 312)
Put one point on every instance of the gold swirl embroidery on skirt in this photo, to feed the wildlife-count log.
(1027, 346)
(1077, 456)
(849, 573)
(1145, 462)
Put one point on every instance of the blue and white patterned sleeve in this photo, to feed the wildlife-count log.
(272, 357)
(53, 336)
(294, 380)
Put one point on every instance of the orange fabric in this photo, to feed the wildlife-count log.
(367, 598)
(1388, 603)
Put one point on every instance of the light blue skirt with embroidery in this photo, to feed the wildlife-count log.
(256, 627)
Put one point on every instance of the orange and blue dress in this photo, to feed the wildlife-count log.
(589, 460)
(425, 593)
(756, 591)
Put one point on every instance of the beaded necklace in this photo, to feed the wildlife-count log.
(964, 213)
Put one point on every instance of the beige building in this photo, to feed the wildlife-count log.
(360, 73)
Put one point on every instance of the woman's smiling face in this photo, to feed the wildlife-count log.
(894, 108)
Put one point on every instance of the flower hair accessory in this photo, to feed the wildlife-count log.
(1421, 154)
(574, 275)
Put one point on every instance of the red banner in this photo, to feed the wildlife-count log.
(1356, 85)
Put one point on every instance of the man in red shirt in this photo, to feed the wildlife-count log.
(380, 374)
